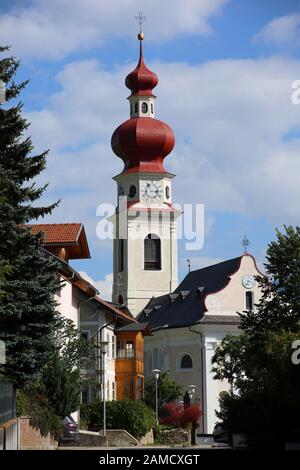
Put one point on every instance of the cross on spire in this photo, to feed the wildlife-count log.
(140, 19)
(245, 243)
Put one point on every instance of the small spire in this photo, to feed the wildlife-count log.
(189, 265)
(245, 243)
(140, 18)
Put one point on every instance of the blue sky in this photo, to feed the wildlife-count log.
(225, 69)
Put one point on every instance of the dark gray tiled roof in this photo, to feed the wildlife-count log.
(185, 306)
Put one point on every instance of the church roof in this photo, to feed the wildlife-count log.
(186, 305)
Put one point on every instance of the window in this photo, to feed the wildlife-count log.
(85, 395)
(136, 107)
(130, 108)
(85, 335)
(249, 300)
(151, 108)
(121, 254)
(113, 390)
(120, 300)
(139, 388)
(125, 349)
(113, 346)
(144, 107)
(186, 362)
(152, 249)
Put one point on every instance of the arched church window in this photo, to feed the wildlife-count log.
(136, 107)
(144, 107)
(186, 362)
(249, 300)
(152, 252)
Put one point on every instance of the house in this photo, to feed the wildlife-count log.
(98, 320)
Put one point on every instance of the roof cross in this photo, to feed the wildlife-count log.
(245, 243)
(140, 19)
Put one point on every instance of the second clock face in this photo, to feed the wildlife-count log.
(152, 191)
(248, 281)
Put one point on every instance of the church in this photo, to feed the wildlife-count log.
(189, 319)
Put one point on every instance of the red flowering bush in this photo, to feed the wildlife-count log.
(180, 416)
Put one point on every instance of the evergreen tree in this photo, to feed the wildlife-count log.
(168, 390)
(27, 308)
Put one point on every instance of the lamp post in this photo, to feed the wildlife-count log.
(156, 373)
(192, 389)
(103, 349)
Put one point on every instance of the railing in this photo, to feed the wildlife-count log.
(130, 354)
(7, 402)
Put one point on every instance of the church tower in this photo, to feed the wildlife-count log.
(145, 241)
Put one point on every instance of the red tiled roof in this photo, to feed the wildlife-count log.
(58, 233)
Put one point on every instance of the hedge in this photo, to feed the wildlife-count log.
(133, 416)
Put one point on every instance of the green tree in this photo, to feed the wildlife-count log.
(27, 308)
(258, 363)
(168, 390)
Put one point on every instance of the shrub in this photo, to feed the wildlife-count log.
(133, 416)
(180, 416)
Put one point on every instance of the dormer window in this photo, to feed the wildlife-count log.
(144, 107)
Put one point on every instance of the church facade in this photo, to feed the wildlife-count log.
(188, 320)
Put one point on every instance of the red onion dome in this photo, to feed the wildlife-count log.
(141, 80)
(143, 143)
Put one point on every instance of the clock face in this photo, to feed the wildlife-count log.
(152, 191)
(248, 281)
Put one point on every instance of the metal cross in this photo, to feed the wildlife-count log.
(245, 243)
(140, 19)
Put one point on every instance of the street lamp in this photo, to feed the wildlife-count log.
(156, 373)
(192, 389)
(103, 349)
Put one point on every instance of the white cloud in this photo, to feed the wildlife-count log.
(104, 286)
(230, 118)
(51, 29)
(282, 31)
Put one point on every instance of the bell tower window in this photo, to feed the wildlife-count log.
(121, 254)
(136, 107)
(144, 107)
(151, 108)
(152, 253)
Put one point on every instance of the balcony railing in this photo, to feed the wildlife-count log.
(130, 354)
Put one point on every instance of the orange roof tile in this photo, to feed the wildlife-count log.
(58, 233)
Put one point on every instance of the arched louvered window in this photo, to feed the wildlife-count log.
(249, 300)
(152, 252)
(186, 362)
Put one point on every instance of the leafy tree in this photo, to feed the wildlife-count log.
(168, 390)
(27, 308)
(258, 363)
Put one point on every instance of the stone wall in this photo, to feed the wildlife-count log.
(31, 438)
(178, 436)
(148, 439)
